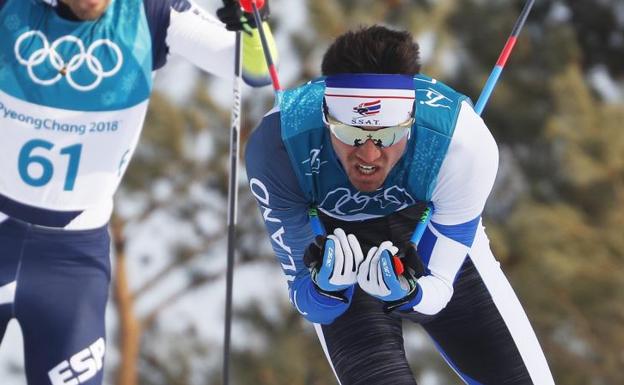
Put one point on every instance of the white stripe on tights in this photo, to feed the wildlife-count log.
(510, 309)
(7, 293)
(321, 337)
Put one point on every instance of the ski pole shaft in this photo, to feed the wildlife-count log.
(265, 47)
(502, 59)
(232, 204)
(484, 97)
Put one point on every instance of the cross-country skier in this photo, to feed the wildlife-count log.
(75, 81)
(368, 148)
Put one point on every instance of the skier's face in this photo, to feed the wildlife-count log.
(368, 165)
(87, 9)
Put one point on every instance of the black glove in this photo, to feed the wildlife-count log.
(411, 260)
(313, 255)
(236, 19)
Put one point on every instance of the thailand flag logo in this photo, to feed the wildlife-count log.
(369, 108)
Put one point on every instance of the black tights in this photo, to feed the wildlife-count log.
(365, 345)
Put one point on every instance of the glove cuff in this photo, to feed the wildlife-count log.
(414, 290)
(340, 295)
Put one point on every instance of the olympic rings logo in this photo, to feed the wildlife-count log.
(64, 68)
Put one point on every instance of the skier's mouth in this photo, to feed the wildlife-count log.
(366, 169)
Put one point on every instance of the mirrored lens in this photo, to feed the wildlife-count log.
(356, 136)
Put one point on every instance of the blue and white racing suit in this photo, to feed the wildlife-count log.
(73, 98)
(465, 303)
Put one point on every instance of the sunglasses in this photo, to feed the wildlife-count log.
(356, 136)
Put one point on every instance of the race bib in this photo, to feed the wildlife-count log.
(62, 159)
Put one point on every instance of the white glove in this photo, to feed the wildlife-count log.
(377, 275)
(341, 255)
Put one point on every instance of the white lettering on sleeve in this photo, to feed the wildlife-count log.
(259, 190)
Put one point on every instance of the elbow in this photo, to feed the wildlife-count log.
(436, 294)
(315, 307)
(317, 316)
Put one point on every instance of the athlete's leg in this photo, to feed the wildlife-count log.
(5, 317)
(365, 345)
(11, 241)
(483, 332)
(64, 279)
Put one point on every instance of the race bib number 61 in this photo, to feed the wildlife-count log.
(37, 169)
(64, 160)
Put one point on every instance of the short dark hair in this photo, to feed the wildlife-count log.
(374, 49)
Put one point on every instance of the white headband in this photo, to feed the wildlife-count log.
(376, 100)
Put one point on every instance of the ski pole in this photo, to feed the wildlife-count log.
(232, 201)
(502, 59)
(253, 7)
(483, 99)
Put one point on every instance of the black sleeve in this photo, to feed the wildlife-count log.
(2, 3)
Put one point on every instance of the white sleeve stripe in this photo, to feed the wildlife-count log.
(447, 257)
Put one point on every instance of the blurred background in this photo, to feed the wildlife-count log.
(555, 217)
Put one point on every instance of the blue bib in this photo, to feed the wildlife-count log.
(100, 65)
(324, 181)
